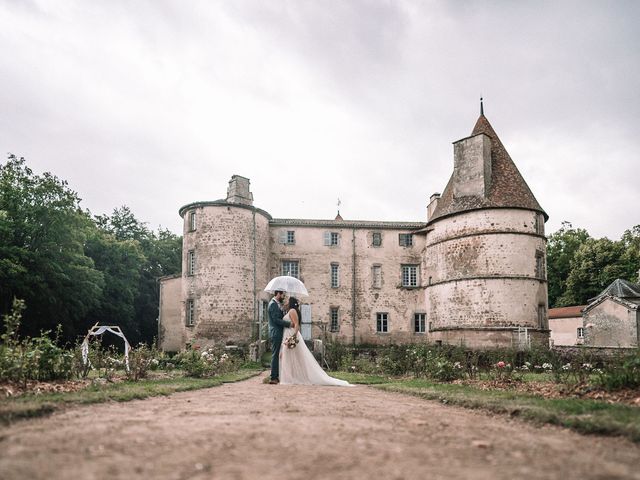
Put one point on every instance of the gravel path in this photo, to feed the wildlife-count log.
(250, 430)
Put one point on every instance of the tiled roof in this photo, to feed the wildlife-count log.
(566, 312)
(622, 289)
(508, 189)
(340, 223)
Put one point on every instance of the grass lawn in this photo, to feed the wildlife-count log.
(582, 415)
(32, 405)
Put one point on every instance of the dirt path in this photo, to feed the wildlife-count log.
(250, 430)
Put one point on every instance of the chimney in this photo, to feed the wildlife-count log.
(433, 203)
(238, 191)
(472, 166)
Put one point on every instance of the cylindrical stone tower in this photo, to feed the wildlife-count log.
(485, 257)
(224, 259)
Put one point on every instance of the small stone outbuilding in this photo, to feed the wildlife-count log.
(612, 319)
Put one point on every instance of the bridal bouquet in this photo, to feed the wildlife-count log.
(291, 341)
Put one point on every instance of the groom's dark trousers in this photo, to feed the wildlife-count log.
(276, 330)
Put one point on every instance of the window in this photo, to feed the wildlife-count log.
(331, 239)
(542, 317)
(405, 239)
(287, 237)
(191, 262)
(334, 326)
(580, 332)
(376, 274)
(190, 312)
(539, 224)
(419, 321)
(540, 270)
(290, 267)
(335, 275)
(409, 275)
(192, 221)
(376, 239)
(382, 322)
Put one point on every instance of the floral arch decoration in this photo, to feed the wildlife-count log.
(99, 330)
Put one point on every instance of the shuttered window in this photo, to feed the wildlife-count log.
(405, 239)
(331, 239)
(376, 274)
(287, 237)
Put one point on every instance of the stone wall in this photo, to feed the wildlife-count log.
(564, 331)
(611, 324)
(171, 331)
(486, 269)
(222, 284)
(472, 166)
(315, 259)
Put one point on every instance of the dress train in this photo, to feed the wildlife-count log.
(298, 366)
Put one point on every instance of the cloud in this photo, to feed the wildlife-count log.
(156, 104)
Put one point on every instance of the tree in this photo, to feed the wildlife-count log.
(123, 225)
(42, 260)
(132, 258)
(561, 249)
(163, 252)
(631, 255)
(120, 262)
(595, 265)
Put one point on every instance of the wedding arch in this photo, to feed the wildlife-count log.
(99, 330)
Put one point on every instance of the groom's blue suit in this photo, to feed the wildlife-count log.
(276, 330)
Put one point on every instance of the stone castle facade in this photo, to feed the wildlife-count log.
(473, 273)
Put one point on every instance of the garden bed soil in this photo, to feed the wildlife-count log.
(627, 396)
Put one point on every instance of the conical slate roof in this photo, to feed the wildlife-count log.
(507, 187)
(622, 289)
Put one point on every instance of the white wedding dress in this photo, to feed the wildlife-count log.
(299, 367)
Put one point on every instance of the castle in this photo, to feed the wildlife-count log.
(473, 273)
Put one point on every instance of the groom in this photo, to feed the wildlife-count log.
(276, 328)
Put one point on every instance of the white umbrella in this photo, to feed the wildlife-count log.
(288, 284)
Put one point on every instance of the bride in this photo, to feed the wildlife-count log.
(298, 365)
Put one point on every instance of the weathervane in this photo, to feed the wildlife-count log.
(338, 204)
(481, 106)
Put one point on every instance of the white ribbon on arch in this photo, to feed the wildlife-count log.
(99, 330)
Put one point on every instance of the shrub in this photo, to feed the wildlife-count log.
(140, 359)
(623, 373)
(25, 359)
(211, 361)
(338, 356)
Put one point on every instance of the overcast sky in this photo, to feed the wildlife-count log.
(155, 104)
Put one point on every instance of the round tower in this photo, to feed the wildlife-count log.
(224, 259)
(485, 259)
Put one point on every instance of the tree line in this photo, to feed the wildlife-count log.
(74, 269)
(580, 266)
